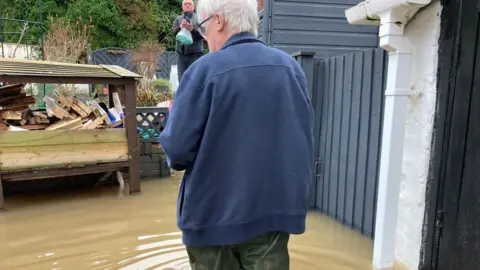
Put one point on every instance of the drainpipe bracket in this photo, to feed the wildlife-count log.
(397, 44)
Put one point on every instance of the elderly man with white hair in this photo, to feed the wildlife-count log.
(241, 127)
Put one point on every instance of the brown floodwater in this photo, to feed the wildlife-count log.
(100, 228)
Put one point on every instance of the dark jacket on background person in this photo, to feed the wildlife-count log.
(241, 127)
(197, 46)
(187, 54)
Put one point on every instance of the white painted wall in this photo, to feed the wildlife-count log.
(423, 31)
(23, 51)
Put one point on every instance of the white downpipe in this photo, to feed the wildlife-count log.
(392, 16)
(393, 138)
(396, 99)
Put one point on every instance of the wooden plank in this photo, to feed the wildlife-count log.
(337, 120)
(120, 71)
(11, 115)
(63, 171)
(65, 102)
(345, 137)
(61, 137)
(83, 106)
(133, 142)
(65, 124)
(5, 61)
(11, 92)
(19, 100)
(14, 108)
(48, 156)
(8, 98)
(97, 122)
(328, 148)
(35, 127)
(41, 114)
(354, 136)
(374, 147)
(2, 201)
(79, 110)
(323, 98)
(363, 141)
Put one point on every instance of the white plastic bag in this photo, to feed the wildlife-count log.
(184, 36)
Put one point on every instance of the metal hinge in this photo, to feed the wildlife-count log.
(317, 169)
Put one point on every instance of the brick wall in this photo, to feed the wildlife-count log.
(153, 163)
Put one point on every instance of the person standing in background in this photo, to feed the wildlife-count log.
(187, 54)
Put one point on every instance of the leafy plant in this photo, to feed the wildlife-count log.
(28, 10)
(146, 60)
(66, 41)
(116, 23)
(162, 83)
(168, 10)
(149, 97)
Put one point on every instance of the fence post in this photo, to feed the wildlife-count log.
(306, 61)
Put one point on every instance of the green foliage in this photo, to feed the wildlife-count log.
(168, 11)
(27, 10)
(117, 23)
(161, 82)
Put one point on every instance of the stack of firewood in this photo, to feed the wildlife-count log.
(13, 104)
(62, 112)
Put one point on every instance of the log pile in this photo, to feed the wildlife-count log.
(62, 112)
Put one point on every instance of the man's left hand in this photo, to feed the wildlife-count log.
(189, 26)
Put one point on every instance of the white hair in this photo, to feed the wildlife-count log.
(240, 15)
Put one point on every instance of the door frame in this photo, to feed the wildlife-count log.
(446, 115)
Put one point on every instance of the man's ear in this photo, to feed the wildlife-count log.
(220, 21)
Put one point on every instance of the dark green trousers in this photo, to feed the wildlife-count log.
(268, 252)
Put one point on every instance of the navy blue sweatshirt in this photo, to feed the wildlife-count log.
(241, 127)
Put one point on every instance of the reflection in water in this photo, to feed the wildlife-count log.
(97, 229)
